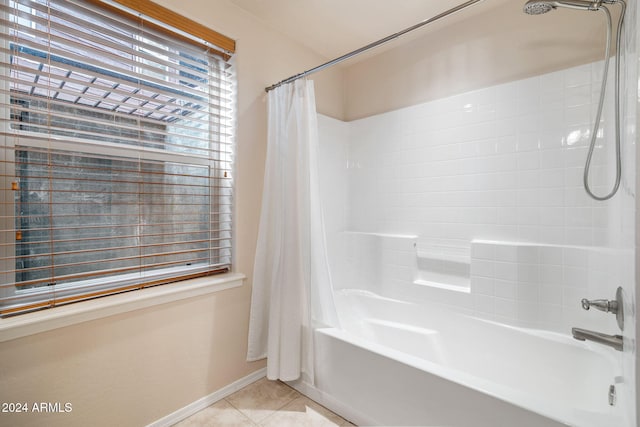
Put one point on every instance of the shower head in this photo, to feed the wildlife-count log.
(538, 7)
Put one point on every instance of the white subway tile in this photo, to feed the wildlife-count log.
(551, 274)
(552, 216)
(506, 253)
(528, 197)
(528, 141)
(581, 236)
(578, 95)
(482, 285)
(550, 294)
(553, 197)
(576, 257)
(505, 289)
(577, 277)
(550, 159)
(553, 138)
(528, 120)
(528, 178)
(506, 271)
(551, 178)
(574, 155)
(552, 101)
(552, 315)
(482, 268)
(528, 254)
(578, 217)
(572, 296)
(528, 292)
(528, 273)
(529, 215)
(485, 251)
(527, 233)
(551, 255)
(552, 234)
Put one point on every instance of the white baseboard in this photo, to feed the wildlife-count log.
(208, 400)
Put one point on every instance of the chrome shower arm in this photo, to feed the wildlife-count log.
(578, 4)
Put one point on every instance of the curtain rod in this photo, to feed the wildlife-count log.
(373, 45)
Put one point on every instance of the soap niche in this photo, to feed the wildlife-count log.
(443, 267)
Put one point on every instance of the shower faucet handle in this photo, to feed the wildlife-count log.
(601, 304)
(608, 306)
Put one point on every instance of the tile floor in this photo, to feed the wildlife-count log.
(265, 403)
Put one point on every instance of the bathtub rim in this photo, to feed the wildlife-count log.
(554, 411)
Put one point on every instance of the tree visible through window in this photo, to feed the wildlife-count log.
(117, 155)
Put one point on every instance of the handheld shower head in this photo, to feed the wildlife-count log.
(538, 7)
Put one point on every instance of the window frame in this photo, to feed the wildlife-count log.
(89, 147)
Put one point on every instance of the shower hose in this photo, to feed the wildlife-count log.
(603, 86)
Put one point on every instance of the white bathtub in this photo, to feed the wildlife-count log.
(396, 363)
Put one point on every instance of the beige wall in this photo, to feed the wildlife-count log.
(134, 368)
(491, 43)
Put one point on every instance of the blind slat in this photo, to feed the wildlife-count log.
(126, 236)
(123, 247)
(93, 272)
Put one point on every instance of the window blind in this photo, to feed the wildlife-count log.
(116, 155)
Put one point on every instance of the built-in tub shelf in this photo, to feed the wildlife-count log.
(401, 237)
(443, 267)
(445, 286)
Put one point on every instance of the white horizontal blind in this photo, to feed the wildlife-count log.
(115, 155)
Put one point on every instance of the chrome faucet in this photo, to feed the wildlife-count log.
(614, 307)
(614, 341)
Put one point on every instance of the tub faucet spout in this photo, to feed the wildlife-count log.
(614, 341)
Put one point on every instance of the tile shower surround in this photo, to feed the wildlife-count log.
(500, 167)
(504, 162)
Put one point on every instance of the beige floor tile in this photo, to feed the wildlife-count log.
(303, 412)
(259, 400)
(220, 414)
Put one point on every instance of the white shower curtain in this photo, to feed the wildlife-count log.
(291, 282)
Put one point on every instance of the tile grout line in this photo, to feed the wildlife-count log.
(260, 423)
(296, 396)
(239, 411)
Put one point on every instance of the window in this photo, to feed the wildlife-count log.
(115, 154)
